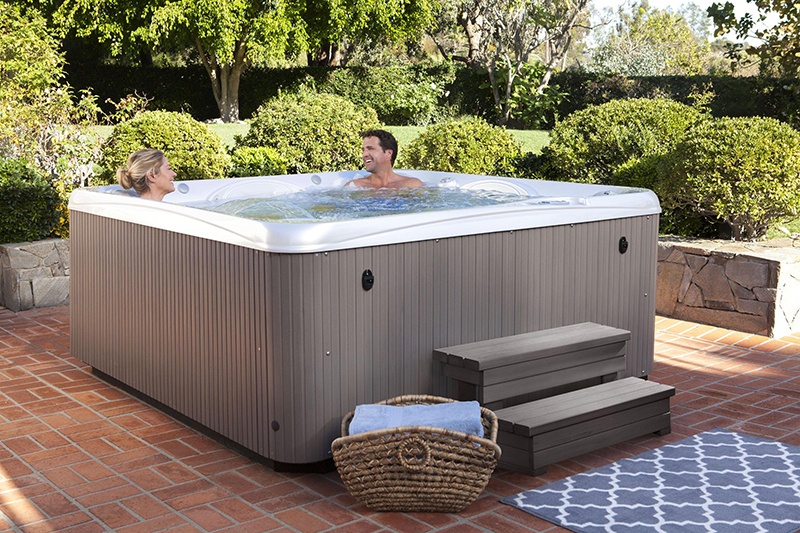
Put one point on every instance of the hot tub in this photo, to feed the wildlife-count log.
(267, 333)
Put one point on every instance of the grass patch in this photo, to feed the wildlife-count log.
(793, 227)
(227, 132)
(103, 131)
(530, 140)
(404, 134)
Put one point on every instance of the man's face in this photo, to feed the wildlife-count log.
(375, 157)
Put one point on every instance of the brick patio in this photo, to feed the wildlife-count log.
(77, 454)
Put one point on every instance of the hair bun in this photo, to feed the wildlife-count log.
(124, 177)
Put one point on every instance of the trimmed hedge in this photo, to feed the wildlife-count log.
(257, 161)
(469, 146)
(401, 95)
(731, 96)
(593, 144)
(194, 151)
(743, 171)
(188, 89)
(313, 132)
(179, 89)
(675, 219)
(623, 142)
(30, 203)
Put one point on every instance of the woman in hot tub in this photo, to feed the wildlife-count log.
(148, 173)
(379, 151)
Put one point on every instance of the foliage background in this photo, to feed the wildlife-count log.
(175, 89)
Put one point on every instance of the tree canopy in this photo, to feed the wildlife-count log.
(332, 23)
(31, 61)
(228, 36)
(507, 37)
(777, 44)
(119, 24)
(651, 42)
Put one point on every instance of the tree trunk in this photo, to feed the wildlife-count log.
(558, 43)
(225, 78)
(472, 21)
(337, 57)
(441, 49)
(145, 56)
(229, 102)
(327, 55)
(501, 102)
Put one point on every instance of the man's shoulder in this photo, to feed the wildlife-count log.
(359, 182)
(409, 181)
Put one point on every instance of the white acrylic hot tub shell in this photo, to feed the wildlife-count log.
(550, 204)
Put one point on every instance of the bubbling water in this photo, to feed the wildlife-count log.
(349, 203)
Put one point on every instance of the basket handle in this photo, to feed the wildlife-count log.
(414, 453)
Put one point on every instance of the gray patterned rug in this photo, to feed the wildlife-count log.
(714, 482)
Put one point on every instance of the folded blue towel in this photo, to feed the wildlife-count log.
(458, 416)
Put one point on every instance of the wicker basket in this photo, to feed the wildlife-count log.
(416, 468)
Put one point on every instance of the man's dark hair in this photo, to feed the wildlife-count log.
(385, 139)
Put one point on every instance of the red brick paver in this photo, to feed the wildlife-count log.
(79, 455)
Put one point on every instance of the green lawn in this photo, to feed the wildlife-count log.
(226, 132)
(530, 140)
(793, 227)
(103, 131)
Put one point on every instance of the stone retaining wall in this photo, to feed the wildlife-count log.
(34, 274)
(749, 287)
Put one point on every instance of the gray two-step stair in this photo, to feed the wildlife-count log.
(556, 392)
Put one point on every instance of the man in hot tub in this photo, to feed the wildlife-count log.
(379, 151)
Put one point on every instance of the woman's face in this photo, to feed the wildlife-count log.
(161, 181)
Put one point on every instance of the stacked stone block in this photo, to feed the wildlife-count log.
(34, 274)
(750, 287)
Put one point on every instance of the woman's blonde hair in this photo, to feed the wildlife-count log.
(134, 174)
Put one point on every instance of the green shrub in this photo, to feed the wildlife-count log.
(401, 95)
(469, 146)
(744, 171)
(42, 120)
(529, 108)
(593, 144)
(257, 161)
(528, 165)
(28, 203)
(674, 219)
(194, 151)
(314, 132)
